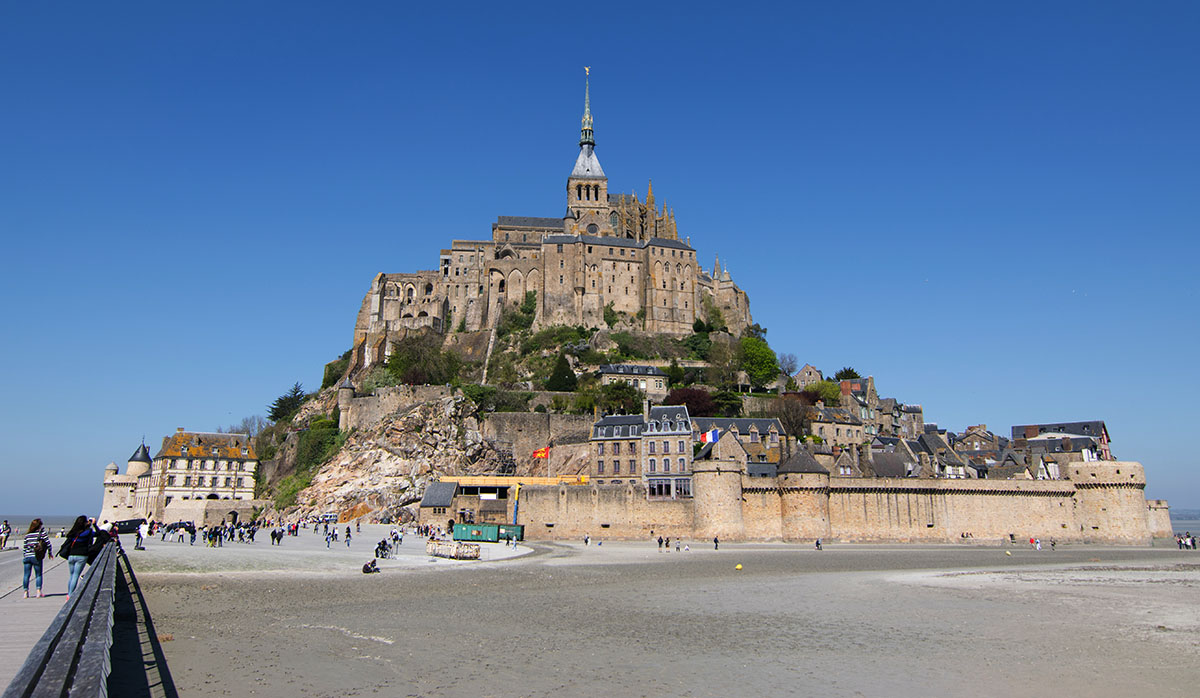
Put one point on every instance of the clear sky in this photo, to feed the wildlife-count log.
(992, 208)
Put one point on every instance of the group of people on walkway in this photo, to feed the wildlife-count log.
(80, 546)
(1186, 541)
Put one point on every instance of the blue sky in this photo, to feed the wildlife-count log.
(990, 208)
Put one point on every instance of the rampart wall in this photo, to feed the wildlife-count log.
(1104, 503)
(529, 431)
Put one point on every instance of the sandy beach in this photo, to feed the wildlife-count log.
(626, 620)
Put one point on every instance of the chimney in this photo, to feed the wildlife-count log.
(645, 410)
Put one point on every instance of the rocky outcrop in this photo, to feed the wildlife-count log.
(384, 467)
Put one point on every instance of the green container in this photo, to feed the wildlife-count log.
(479, 533)
(511, 531)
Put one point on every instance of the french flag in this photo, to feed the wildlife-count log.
(709, 437)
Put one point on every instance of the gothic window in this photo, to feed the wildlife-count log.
(612, 220)
(578, 191)
(592, 229)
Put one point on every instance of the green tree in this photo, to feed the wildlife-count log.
(286, 405)
(826, 391)
(620, 398)
(756, 331)
(847, 373)
(698, 344)
(729, 403)
(335, 369)
(675, 373)
(563, 378)
(758, 361)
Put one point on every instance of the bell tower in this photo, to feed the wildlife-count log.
(587, 187)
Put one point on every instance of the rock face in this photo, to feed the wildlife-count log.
(384, 467)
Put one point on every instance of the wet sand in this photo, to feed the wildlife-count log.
(625, 620)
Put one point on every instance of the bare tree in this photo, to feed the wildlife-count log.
(792, 413)
(788, 363)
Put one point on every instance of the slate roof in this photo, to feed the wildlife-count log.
(833, 415)
(586, 165)
(664, 242)
(488, 506)
(761, 469)
(743, 424)
(529, 222)
(618, 426)
(801, 462)
(1094, 428)
(1007, 472)
(632, 369)
(439, 494)
(891, 464)
(141, 455)
(611, 240)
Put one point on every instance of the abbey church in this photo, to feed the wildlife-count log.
(606, 249)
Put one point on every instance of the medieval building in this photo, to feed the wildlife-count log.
(605, 250)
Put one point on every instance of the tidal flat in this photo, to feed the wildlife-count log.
(623, 619)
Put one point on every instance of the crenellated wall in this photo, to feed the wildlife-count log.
(1102, 503)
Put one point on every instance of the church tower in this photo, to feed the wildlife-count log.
(587, 187)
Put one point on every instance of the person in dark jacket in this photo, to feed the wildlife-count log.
(78, 544)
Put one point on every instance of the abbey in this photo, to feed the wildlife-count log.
(606, 250)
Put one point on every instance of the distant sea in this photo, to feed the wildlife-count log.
(20, 522)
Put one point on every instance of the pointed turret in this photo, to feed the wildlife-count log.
(139, 463)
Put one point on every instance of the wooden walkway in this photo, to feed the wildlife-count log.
(22, 621)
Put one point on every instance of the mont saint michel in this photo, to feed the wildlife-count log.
(781, 350)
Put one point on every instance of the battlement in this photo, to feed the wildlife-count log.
(1108, 473)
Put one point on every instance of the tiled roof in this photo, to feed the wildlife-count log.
(529, 222)
(439, 494)
(207, 445)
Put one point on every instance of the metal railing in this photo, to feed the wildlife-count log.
(72, 657)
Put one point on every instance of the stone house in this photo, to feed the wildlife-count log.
(653, 448)
(651, 380)
(835, 425)
(198, 465)
(762, 439)
(806, 376)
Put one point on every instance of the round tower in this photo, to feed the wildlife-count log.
(139, 462)
(344, 395)
(717, 500)
(804, 498)
(110, 470)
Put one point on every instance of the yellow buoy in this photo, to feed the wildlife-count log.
(739, 566)
(1008, 553)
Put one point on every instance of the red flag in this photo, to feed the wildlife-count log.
(542, 453)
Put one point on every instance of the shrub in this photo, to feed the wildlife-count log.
(335, 370)
(729, 404)
(610, 316)
(420, 360)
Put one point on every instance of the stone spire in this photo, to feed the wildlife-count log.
(585, 133)
(586, 165)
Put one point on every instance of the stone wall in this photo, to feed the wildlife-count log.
(209, 511)
(603, 512)
(367, 411)
(1158, 518)
(1104, 504)
(529, 431)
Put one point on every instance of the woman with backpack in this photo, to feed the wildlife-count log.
(76, 550)
(36, 545)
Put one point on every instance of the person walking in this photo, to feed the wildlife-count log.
(34, 551)
(5, 532)
(716, 543)
(143, 532)
(75, 549)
